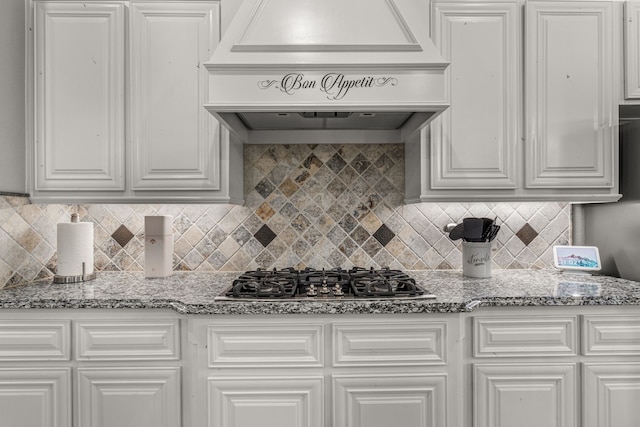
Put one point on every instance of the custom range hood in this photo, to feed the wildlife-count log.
(327, 71)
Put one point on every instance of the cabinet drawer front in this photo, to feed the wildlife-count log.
(109, 340)
(616, 335)
(24, 340)
(507, 337)
(383, 344)
(263, 345)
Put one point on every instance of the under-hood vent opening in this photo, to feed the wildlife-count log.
(324, 120)
(310, 65)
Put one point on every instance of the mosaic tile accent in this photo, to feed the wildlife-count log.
(527, 234)
(306, 205)
(265, 235)
(122, 235)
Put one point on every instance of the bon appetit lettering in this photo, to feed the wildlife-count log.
(335, 85)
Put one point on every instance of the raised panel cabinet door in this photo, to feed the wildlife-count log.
(273, 401)
(632, 49)
(79, 95)
(525, 395)
(417, 400)
(175, 141)
(569, 84)
(475, 142)
(128, 397)
(611, 395)
(35, 397)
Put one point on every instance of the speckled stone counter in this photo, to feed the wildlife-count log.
(194, 293)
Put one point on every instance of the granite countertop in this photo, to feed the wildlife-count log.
(194, 293)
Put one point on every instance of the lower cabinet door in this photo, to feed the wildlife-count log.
(35, 397)
(266, 401)
(389, 400)
(611, 395)
(525, 395)
(129, 397)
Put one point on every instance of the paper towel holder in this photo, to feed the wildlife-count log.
(84, 277)
(74, 279)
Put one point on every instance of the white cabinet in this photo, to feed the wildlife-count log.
(534, 111)
(611, 395)
(526, 395)
(175, 141)
(90, 369)
(632, 49)
(276, 401)
(129, 397)
(35, 397)
(611, 377)
(408, 400)
(79, 96)
(531, 379)
(119, 91)
(12, 103)
(264, 372)
(475, 143)
(571, 116)
(299, 372)
(560, 366)
(35, 384)
(119, 381)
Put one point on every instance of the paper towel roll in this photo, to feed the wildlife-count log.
(75, 246)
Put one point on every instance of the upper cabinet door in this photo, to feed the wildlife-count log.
(632, 49)
(571, 129)
(475, 143)
(79, 92)
(175, 141)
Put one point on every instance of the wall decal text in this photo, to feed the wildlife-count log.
(335, 85)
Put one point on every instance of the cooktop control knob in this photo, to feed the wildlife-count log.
(325, 288)
(337, 290)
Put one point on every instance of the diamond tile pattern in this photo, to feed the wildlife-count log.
(306, 205)
(526, 234)
(265, 235)
(122, 235)
(384, 235)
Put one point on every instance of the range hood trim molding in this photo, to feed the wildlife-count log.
(327, 48)
(350, 108)
(362, 67)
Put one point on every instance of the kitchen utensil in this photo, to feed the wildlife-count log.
(457, 232)
(486, 225)
(447, 228)
(491, 233)
(473, 229)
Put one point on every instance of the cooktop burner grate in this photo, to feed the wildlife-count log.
(314, 284)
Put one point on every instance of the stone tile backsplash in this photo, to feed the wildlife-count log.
(306, 205)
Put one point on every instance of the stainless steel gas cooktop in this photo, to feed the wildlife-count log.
(333, 284)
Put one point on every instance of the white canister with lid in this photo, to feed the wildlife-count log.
(158, 246)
